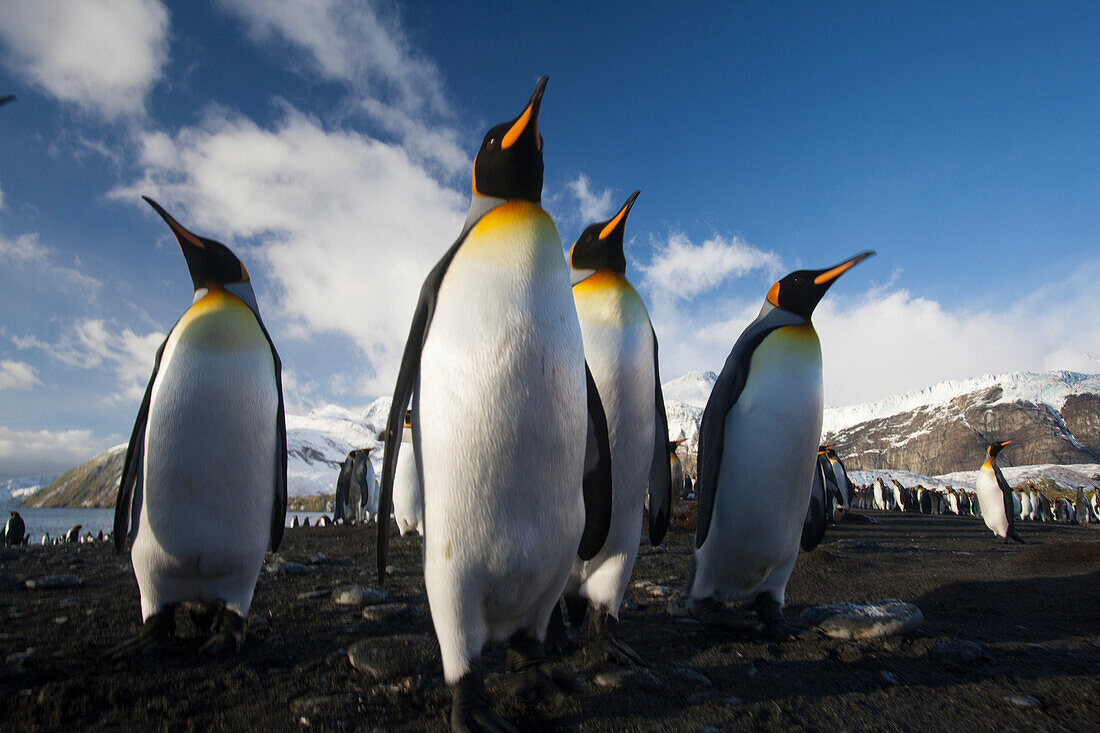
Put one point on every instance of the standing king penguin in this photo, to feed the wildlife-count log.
(757, 453)
(620, 347)
(995, 496)
(203, 488)
(408, 506)
(503, 414)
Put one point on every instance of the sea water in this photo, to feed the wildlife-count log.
(56, 522)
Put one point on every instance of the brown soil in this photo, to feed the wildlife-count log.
(1033, 609)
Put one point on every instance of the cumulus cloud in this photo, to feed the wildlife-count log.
(102, 56)
(357, 42)
(885, 342)
(346, 225)
(45, 452)
(682, 269)
(17, 375)
(27, 253)
(90, 344)
(592, 206)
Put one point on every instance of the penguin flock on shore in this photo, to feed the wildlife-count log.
(533, 521)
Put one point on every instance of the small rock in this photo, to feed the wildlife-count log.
(392, 570)
(60, 620)
(612, 679)
(290, 568)
(889, 677)
(320, 704)
(959, 651)
(357, 595)
(752, 672)
(18, 657)
(865, 620)
(53, 581)
(692, 676)
(1023, 701)
(387, 611)
(311, 595)
(392, 657)
(678, 608)
(319, 559)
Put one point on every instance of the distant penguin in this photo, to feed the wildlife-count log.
(305, 522)
(1081, 507)
(1025, 506)
(14, 530)
(45, 539)
(73, 535)
(203, 487)
(924, 500)
(294, 523)
(840, 474)
(503, 412)
(343, 484)
(995, 496)
(813, 526)
(1017, 505)
(357, 494)
(676, 469)
(408, 504)
(1095, 503)
(757, 454)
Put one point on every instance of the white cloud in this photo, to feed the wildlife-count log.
(27, 253)
(682, 269)
(592, 206)
(17, 375)
(357, 42)
(103, 56)
(346, 225)
(45, 452)
(89, 344)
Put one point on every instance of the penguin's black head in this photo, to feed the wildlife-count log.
(210, 262)
(802, 290)
(995, 448)
(509, 163)
(600, 246)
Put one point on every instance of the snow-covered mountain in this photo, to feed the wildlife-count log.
(14, 490)
(1052, 418)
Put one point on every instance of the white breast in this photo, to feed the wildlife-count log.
(991, 500)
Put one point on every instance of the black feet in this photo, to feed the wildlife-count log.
(559, 642)
(525, 677)
(155, 637)
(604, 644)
(470, 709)
(776, 626)
(203, 615)
(710, 612)
(228, 635)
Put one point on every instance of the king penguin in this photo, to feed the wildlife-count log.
(620, 347)
(995, 496)
(343, 486)
(841, 475)
(203, 487)
(408, 506)
(757, 454)
(503, 414)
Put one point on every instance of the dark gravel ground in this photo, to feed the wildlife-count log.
(1031, 615)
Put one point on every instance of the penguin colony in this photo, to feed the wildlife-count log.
(559, 355)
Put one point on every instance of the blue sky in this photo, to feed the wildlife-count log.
(329, 144)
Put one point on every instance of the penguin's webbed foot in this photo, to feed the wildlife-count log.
(203, 615)
(156, 636)
(776, 626)
(558, 640)
(470, 709)
(604, 644)
(229, 637)
(710, 612)
(525, 677)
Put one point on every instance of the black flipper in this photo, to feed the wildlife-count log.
(402, 393)
(278, 510)
(813, 527)
(727, 389)
(597, 479)
(131, 482)
(660, 475)
(1006, 493)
